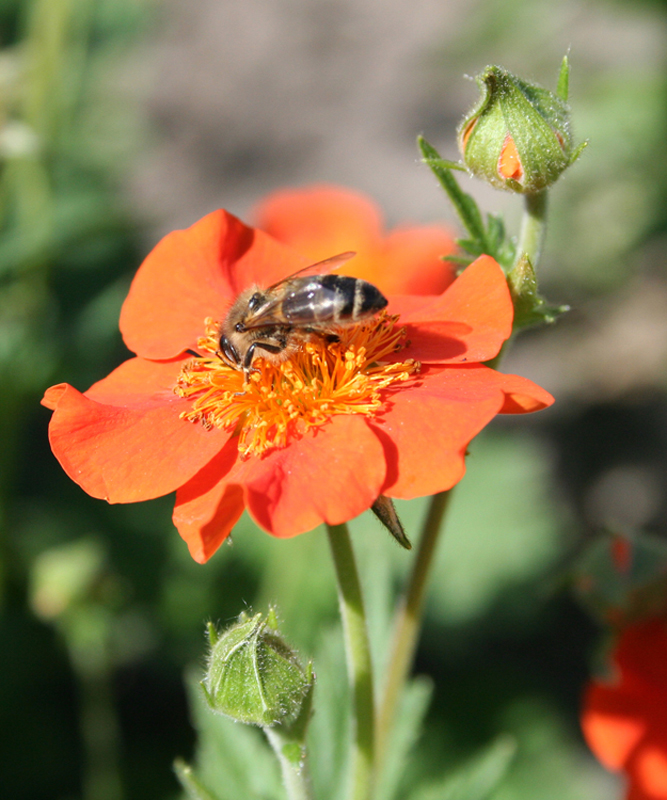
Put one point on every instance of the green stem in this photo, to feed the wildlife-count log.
(359, 665)
(296, 776)
(101, 737)
(407, 622)
(533, 227)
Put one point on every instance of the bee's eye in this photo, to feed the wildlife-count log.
(229, 351)
(255, 301)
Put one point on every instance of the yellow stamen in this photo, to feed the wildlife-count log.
(279, 401)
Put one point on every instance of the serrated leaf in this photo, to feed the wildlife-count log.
(463, 203)
(472, 247)
(495, 230)
(489, 238)
(476, 780)
(462, 260)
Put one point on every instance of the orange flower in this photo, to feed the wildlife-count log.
(321, 220)
(316, 438)
(625, 719)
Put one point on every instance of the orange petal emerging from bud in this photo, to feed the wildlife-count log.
(509, 163)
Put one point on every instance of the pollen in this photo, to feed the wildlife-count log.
(318, 380)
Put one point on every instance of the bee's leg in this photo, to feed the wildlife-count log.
(250, 354)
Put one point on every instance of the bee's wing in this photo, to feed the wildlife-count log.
(319, 268)
(270, 312)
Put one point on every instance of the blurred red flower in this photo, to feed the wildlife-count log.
(324, 219)
(314, 439)
(624, 718)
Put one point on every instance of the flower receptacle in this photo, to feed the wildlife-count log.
(530, 308)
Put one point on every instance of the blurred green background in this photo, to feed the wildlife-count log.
(122, 119)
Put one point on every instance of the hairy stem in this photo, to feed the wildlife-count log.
(533, 227)
(359, 666)
(296, 776)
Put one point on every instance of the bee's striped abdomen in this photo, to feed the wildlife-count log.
(333, 298)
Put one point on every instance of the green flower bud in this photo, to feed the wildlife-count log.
(518, 136)
(253, 676)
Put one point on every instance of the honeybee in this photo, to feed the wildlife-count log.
(275, 322)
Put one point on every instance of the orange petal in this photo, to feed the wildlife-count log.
(193, 274)
(649, 770)
(208, 507)
(612, 725)
(468, 130)
(138, 381)
(427, 429)
(478, 302)
(53, 394)
(126, 453)
(509, 163)
(331, 475)
(521, 395)
(322, 220)
(410, 261)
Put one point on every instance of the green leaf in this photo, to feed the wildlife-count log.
(471, 246)
(476, 780)
(407, 729)
(495, 230)
(330, 730)
(563, 87)
(194, 788)
(445, 163)
(462, 260)
(578, 151)
(490, 238)
(482, 580)
(463, 203)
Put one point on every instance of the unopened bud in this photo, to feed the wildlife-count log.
(253, 675)
(518, 136)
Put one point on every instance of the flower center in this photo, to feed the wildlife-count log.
(280, 401)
